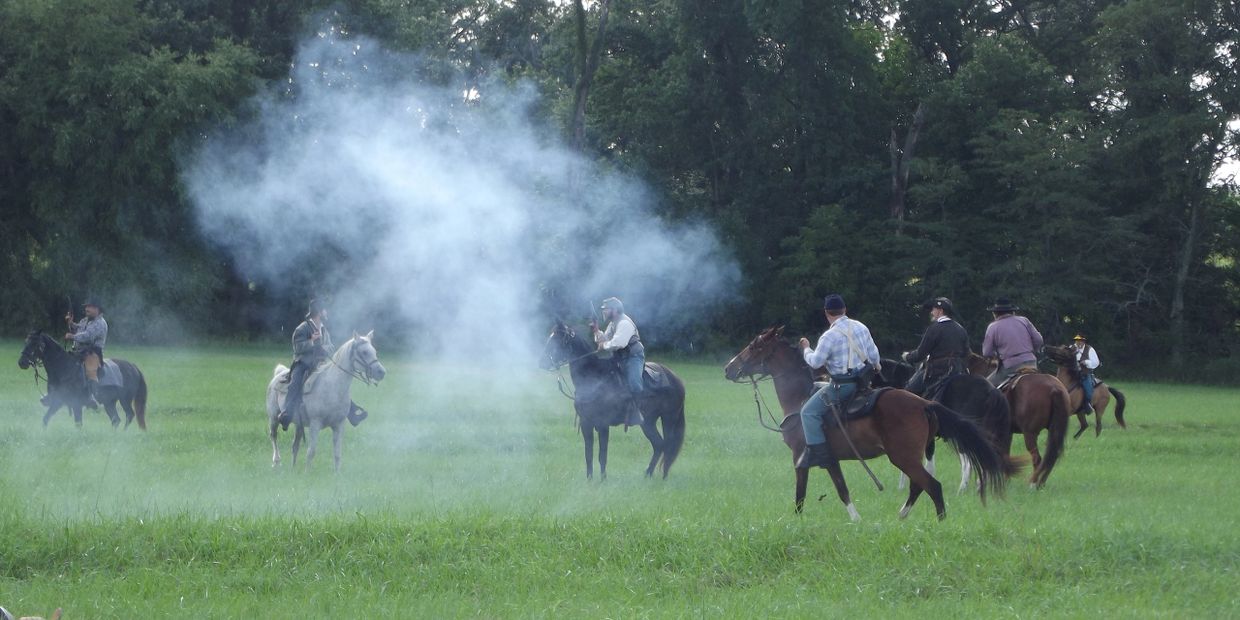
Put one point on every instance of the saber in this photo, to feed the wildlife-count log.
(835, 411)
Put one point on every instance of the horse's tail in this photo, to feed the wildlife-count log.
(280, 368)
(998, 420)
(673, 435)
(970, 442)
(1119, 406)
(1057, 431)
(139, 401)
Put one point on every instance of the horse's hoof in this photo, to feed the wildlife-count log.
(942, 516)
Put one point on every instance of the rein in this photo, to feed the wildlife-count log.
(360, 376)
(759, 401)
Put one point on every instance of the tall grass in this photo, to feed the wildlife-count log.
(478, 506)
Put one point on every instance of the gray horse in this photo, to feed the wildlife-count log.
(326, 402)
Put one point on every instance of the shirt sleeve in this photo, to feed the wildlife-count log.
(88, 333)
(988, 345)
(620, 339)
(1034, 335)
(927, 343)
(871, 350)
(1093, 362)
(817, 356)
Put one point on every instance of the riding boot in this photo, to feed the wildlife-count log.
(816, 455)
(633, 413)
(356, 414)
(1087, 407)
(92, 385)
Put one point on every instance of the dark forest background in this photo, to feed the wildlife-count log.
(1065, 154)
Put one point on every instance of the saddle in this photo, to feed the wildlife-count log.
(654, 377)
(1011, 381)
(859, 405)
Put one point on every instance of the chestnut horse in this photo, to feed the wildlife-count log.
(1038, 401)
(1065, 358)
(902, 426)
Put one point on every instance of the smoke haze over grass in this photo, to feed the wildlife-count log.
(447, 208)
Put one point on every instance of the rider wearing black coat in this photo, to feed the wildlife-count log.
(944, 346)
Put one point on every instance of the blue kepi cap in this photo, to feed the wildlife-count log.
(833, 302)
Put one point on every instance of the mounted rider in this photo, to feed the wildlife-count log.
(1087, 362)
(623, 340)
(89, 335)
(944, 347)
(1012, 339)
(312, 345)
(849, 354)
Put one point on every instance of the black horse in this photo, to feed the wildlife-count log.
(971, 396)
(66, 386)
(601, 397)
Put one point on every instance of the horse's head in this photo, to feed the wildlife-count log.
(32, 352)
(561, 346)
(752, 360)
(1063, 356)
(365, 358)
(895, 373)
(982, 366)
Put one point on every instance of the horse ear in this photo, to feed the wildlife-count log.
(370, 335)
(779, 331)
(355, 335)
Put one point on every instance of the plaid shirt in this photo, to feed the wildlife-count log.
(90, 332)
(834, 352)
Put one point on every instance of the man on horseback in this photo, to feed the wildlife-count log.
(312, 345)
(944, 347)
(848, 352)
(1087, 362)
(1012, 339)
(622, 339)
(88, 336)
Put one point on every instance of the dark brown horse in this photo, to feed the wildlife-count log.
(1038, 402)
(901, 426)
(600, 398)
(66, 385)
(1065, 358)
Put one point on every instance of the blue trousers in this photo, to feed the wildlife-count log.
(815, 409)
(632, 365)
(296, 385)
(1087, 386)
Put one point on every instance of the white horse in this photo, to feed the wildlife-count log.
(326, 400)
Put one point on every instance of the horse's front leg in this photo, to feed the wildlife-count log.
(337, 435)
(314, 443)
(299, 433)
(841, 488)
(77, 415)
(587, 436)
(604, 432)
(1084, 425)
(51, 411)
(802, 486)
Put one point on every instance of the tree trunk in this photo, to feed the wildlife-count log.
(587, 63)
(900, 158)
(1187, 252)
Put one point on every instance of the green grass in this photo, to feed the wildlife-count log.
(478, 506)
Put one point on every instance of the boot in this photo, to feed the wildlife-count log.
(90, 394)
(1087, 407)
(356, 415)
(816, 455)
(633, 413)
(45, 400)
(285, 418)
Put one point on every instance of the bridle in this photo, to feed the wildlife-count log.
(558, 366)
(763, 373)
(34, 359)
(355, 360)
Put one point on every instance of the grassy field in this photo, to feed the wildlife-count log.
(478, 506)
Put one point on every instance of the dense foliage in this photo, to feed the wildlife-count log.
(1062, 153)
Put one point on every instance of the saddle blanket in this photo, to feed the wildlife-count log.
(311, 381)
(110, 374)
(654, 377)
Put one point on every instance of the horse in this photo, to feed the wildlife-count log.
(1038, 402)
(1065, 358)
(326, 402)
(972, 397)
(601, 397)
(902, 425)
(66, 386)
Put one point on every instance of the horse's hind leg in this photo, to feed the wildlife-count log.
(919, 480)
(587, 436)
(1035, 457)
(273, 432)
(656, 444)
(604, 433)
(127, 405)
(966, 472)
(298, 434)
(841, 489)
(110, 407)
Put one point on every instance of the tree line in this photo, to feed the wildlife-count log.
(1069, 155)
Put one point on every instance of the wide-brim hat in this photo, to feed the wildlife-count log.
(1003, 304)
(1078, 337)
(316, 306)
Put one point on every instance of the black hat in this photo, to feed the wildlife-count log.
(940, 302)
(316, 306)
(833, 302)
(94, 301)
(1003, 304)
